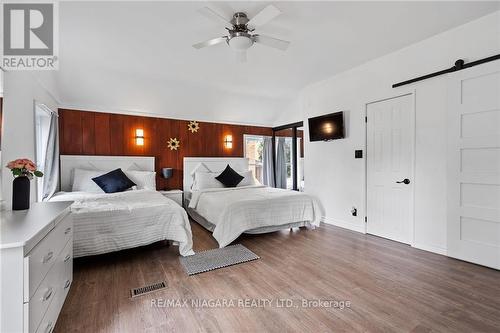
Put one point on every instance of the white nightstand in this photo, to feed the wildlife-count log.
(176, 195)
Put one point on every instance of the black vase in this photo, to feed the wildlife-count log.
(21, 193)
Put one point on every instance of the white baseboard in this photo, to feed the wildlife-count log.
(359, 227)
(431, 248)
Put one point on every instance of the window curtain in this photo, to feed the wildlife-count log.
(281, 164)
(268, 163)
(51, 164)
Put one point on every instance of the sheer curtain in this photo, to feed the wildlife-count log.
(51, 167)
(268, 163)
(281, 164)
(47, 151)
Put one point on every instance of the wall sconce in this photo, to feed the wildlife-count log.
(228, 141)
(139, 137)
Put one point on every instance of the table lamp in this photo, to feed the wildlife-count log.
(167, 173)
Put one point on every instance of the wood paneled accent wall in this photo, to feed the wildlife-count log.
(95, 133)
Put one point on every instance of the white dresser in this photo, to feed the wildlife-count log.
(36, 258)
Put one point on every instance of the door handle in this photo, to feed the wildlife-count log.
(405, 181)
(48, 328)
(47, 257)
(47, 294)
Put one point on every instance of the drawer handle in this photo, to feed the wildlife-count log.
(68, 257)
(48, 294)
(68, 229)
(66, 285)
(48, 328)
(48, 257)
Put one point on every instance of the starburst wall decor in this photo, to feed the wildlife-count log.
(193, 126)
(173, 144)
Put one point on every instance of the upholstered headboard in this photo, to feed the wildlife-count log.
(214, 164)
(105, 163)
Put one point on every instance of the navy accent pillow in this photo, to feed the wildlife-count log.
(114, 181)
(229, 177)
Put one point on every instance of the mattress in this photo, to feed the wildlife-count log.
(229, 212)
(112, 222)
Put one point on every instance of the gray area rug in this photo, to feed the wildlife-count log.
(217, 258)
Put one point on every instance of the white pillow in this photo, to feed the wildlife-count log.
(82, 180)
(248, 180)
(144, 180)
(200, 167)
(206, 180)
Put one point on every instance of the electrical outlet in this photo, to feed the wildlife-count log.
(354, 211)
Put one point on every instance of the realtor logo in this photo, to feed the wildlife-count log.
(29, 36)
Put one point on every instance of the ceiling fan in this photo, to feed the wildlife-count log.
(240, 31)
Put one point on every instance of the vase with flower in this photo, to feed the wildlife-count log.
(23, 171)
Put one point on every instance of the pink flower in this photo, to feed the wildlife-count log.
(22, 163)
(30, 167)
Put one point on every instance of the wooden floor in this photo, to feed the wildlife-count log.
(391, 288)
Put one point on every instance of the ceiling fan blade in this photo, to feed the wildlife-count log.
(222, 8)
(272, 42)
(241, 56)
(264, 16)
(214, 16)
(210, 42)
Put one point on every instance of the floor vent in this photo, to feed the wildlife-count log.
(147, 289)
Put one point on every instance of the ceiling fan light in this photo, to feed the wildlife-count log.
(240, 43)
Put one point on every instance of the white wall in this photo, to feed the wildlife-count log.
(338, 179)
(1, 161)
(1, 83)
(21, 90)
(132, 94)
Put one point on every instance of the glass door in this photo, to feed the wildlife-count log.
(300, 159)
(289, 156)
(285, 160)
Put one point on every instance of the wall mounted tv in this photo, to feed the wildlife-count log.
(327, 127)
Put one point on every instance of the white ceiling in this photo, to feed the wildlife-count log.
(137, 56)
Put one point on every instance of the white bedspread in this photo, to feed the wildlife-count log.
(236, 210)
(112, 222)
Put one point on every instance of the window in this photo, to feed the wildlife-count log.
(253, 150)
(254, 145)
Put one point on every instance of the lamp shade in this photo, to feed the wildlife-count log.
(166, 172)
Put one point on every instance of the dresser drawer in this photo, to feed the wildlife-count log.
(43, 256)
(44, 296)
(49, 319)
(66, 272)
(53, 288)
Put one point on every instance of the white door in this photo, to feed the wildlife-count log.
(474, 165)
(390, 151)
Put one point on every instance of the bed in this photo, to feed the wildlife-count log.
(252, 208)
(111, 222)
